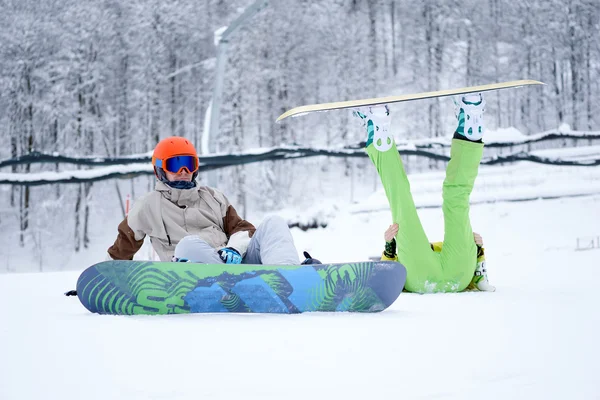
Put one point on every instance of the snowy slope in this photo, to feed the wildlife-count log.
(534, 338)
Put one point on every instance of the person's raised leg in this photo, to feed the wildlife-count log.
(459, 253)
(414, 250)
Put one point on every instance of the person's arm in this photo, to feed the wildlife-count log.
(389, 252)
(126, 244)
(132, 231)
(480, 249)
(238, 230)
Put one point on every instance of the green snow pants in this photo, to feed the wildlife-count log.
(452, 269)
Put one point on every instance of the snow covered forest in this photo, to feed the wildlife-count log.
(111, 78)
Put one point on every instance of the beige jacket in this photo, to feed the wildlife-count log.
(167, 215)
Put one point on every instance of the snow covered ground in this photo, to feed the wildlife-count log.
(536, 337)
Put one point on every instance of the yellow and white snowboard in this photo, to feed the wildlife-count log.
(297, 111)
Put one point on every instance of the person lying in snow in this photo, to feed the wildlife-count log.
(453, 267)
(480, 280)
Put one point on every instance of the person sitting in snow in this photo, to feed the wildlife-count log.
(454, 267)
(188, 222)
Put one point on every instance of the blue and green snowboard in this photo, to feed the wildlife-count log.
(143, 287)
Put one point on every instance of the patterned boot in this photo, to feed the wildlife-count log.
(377, 120)
(469, 112)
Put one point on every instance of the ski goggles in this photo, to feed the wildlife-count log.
(177, 164)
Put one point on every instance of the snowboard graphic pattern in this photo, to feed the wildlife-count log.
(142, 287)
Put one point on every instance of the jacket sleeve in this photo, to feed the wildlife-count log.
(389, 251)
(233, 223)
(238, 230)
(480, 253)
(126, 244)
(437, 246)
(386, 258)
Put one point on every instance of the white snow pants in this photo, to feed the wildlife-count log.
(271, 244)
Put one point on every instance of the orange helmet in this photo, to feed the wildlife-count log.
(168, 151)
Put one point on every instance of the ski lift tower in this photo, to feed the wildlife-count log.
(222, 36)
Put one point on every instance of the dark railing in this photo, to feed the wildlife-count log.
(136, 165)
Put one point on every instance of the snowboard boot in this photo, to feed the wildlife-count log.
(377, 120)
(469, 112)
(480, 279)
(309, 260)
